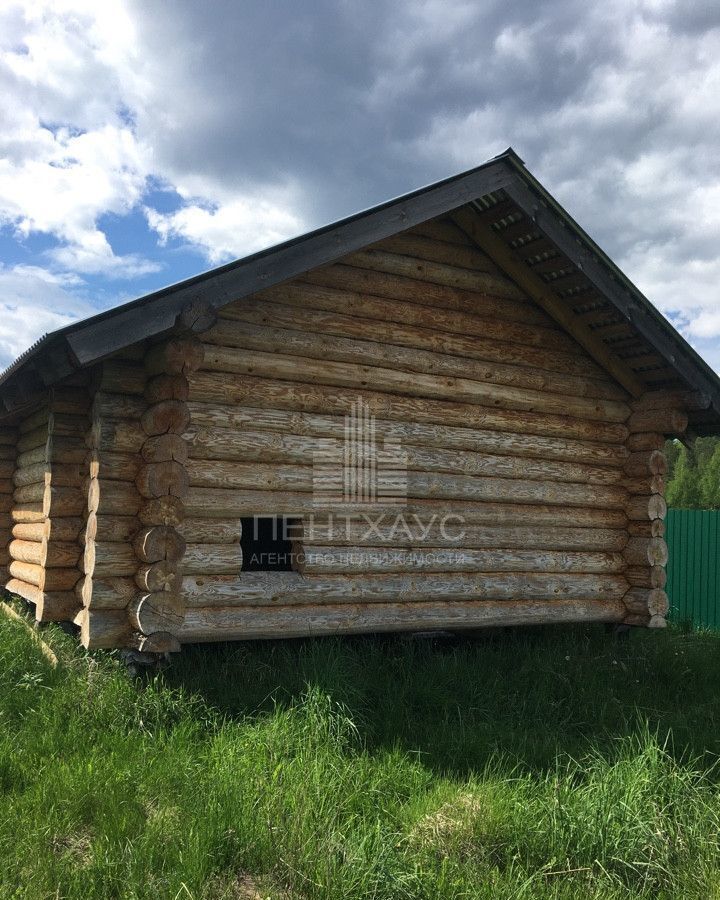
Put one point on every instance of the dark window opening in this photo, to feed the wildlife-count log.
(267, 543)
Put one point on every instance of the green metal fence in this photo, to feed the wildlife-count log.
(693, 583)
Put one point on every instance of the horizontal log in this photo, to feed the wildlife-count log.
(654, 528)
(160, 479)
(113, 498)
(121, 377)
(156, 612)
(234, 432)
(166, 417)
(67, 530)
(6, 486)
(324, 311)
(319, 560)
(64, 502)
(452, 531)
(210, 531)
(33, 457)
(214, 387)
(57, 474)
(117, 435)
(166, 387)
(653, 602)
(117, 406)
(646, 576)
(164, 448)
(106, 593)
(298, 341)
(30, 493)
(33, 531)
(157, 542)
(113, 465)
(67, 398)
(7, 467)
(212, 559)
(444, 387)
(643, 463)
(243, 446)
(159, 576)
(162, 511)
(50, 554)
(366, 291)
(35, 438)
(645, 440)
(8, 435)
(109, 559)
(111, 528)
(65, 425)
(645, 507)
(665, 421)
(684, 400)
(104, 629)
(429, 248)
(56, 606)
(232, 623)
(45, 579)
(36, 474)
(29, 592)
(648, 484)
(291, 588)
(27, 512)
(641, 551)
(220, 503)
(258, 476)
(37, 419)
(177, 356)
(476, 289)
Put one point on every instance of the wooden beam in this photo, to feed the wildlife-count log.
(542, 294)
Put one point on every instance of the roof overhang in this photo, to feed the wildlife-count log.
(502, 192)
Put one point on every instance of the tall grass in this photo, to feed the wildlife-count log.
(532, 764)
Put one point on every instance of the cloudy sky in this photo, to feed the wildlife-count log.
(144, 141)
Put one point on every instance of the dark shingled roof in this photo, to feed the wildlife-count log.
(525, 221)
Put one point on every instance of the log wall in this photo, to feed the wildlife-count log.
(48, 502)
(501, 419)
(646, 553)
(522, 484)
(133, 549)
(8, 441)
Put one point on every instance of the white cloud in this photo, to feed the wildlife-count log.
(237, 227)
(34, 301)
(75, 79)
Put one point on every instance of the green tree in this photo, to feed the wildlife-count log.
(683, 492)
(710, 481)
(672, 452)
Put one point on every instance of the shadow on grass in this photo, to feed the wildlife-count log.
(526, 694)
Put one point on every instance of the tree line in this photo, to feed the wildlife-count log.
(693, 479)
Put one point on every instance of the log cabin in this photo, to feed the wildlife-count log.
(445, 412)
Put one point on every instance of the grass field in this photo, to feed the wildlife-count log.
(530, 764)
